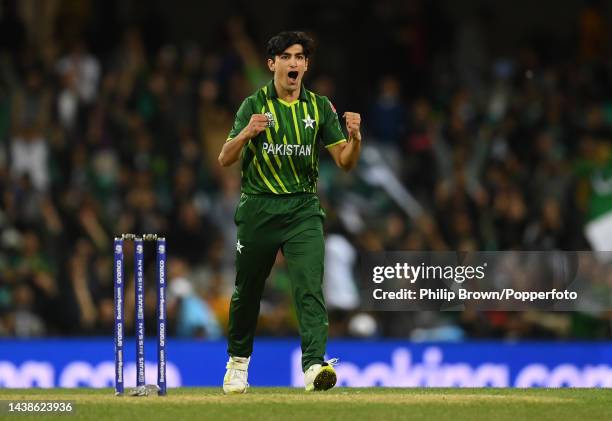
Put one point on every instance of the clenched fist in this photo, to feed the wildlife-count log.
(257, 124)
(353, 124)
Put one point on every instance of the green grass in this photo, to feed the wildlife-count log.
(337, 404)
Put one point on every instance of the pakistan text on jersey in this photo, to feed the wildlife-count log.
(287, 150)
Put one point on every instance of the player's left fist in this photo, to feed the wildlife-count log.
(353, 125)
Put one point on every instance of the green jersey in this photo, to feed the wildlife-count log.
(284, 159)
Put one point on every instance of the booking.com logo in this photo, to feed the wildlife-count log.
(403, 370)
(78, 374)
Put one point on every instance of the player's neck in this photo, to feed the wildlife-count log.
(287, 96)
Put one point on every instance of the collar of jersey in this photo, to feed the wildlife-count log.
(271, 93)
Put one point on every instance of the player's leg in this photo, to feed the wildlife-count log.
(304, 252)
(256, 250)
(253, 266)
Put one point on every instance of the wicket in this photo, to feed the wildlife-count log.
(141, 388)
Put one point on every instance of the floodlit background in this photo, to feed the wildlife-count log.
(490, 122)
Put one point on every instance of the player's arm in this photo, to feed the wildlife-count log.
(233, 146)
(346, 153)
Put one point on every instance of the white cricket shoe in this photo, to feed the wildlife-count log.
(320, 376)
(235, 380)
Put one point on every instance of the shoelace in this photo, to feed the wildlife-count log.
(333, 361)
(237, 365)
(236, 369)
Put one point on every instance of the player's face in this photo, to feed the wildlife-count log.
(289, 67)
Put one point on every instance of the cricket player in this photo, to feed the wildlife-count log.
(277, 133)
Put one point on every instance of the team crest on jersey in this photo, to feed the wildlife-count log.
(270, 117)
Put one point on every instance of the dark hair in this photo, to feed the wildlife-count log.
(284, 40)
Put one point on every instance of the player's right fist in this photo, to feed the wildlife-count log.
(257, 124)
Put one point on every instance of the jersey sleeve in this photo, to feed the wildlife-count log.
(331, 131)
(243, 116)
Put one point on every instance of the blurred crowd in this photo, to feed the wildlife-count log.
(496, 153)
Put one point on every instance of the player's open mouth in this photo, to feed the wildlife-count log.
(293, 76)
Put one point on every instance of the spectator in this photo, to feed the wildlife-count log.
(194, 317)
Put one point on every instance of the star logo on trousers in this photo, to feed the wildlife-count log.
(308, 122)
(239, 247)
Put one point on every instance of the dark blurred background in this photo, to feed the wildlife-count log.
(489, 120)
